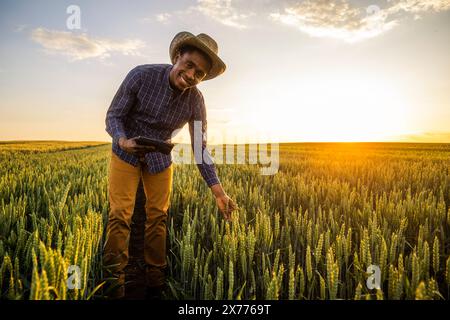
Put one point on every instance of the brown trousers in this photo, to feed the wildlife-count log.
(123, 183)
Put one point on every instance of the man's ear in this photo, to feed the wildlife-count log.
(176, 58)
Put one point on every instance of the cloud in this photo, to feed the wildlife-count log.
(341, 20)
(335, 19)
(81, 46)
(419, 6)
(20, 27)
(222, 11)
(163, 17)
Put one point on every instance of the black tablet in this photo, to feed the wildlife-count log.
(160, 146)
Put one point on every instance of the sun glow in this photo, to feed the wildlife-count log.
(329, 108)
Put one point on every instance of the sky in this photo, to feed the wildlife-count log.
(297, 70)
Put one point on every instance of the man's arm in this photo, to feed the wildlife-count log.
(203, 159)
(198, 130)
(121, 104)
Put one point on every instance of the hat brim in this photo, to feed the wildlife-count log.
(186, 38)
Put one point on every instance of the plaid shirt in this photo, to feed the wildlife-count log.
(146, 105)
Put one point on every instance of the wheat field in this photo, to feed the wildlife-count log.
(308, 232)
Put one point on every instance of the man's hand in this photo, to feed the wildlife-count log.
(225, 204)
(130, 146)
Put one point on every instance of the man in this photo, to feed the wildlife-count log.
(153, 101)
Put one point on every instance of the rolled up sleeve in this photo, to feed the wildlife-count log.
(121, 104)
(198, 133)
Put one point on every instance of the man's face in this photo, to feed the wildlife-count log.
(189, 70)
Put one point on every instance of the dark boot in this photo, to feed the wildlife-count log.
(154, 293)
(155, 282)
(115, 288)
(117, 294)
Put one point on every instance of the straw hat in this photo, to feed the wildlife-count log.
(203, 42)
